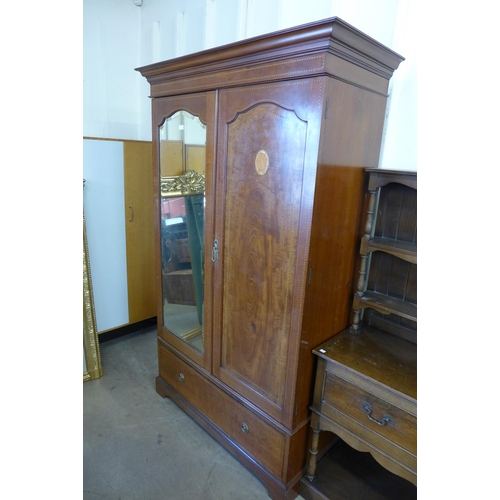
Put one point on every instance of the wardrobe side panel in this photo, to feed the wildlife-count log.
(350, 142)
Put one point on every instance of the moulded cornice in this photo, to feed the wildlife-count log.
(330, 36)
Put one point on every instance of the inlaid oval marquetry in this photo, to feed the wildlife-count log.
(261, 162)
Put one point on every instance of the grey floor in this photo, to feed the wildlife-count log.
(137, 445)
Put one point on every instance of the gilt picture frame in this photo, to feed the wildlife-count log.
(92, 368)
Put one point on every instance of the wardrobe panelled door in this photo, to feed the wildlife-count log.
(259, 154)
(268, 138)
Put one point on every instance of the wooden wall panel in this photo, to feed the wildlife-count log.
(138, 174)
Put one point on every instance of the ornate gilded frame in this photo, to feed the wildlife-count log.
(188, 183)
(91, 352)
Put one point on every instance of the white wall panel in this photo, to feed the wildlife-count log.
(400, 136)
(111, 31)
(222, 23)
(262, 16)
(295, 12)
(118, 37)
(376, 18)
(104, 202)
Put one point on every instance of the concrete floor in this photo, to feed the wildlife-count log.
(137, 445)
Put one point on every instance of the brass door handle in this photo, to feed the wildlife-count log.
(132, 219)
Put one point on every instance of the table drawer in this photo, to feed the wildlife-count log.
(368, 421)
(256, 437)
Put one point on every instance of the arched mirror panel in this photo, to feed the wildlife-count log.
(182, 140)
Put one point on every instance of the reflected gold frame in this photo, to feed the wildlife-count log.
(90, 339)
(188, 183)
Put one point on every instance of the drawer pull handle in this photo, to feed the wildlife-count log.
(386, 419)
(181, 377)
(244, 427)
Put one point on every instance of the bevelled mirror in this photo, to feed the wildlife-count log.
(182, 139)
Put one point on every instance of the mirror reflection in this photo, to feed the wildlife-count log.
(182, 170)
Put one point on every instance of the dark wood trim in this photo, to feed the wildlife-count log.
(90, 138)
(126, 330)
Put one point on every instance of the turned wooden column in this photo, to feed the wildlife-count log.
(311, 468)
(361, 285)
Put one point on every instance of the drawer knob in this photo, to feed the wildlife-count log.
(386, 419)
(244, 427)
(181, 377)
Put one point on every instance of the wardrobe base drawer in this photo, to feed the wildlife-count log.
(247, 430)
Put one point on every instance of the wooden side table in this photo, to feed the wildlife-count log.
(366, 393)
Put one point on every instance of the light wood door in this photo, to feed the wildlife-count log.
(138, 182)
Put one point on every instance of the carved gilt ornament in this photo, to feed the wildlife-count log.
(189, 183)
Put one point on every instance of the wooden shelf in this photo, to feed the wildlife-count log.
(401, 249)
(381, 177)
(353, 475)
(366, 375)
(389, 305)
